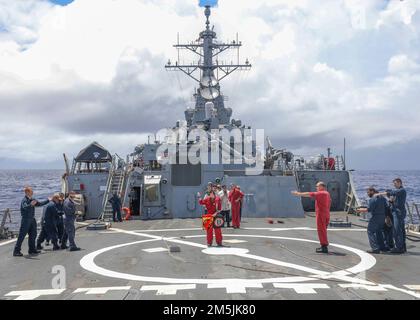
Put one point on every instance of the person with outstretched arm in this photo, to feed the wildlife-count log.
(28, 225)
(322, 209)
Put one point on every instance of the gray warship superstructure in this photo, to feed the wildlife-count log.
(164, 255)
(153, 187)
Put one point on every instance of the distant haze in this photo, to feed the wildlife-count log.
(73, 72)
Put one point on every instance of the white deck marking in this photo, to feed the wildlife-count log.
(305, 229)
(103, 290)
(267, 229)
(235, 286)
(7, 242)
(168, 290)
(361, 286)
(156, 250)
(302, 288)
(225, 251)
(33, 294)
(414, 287)
(367, 262)
(411, 293)
(234, 241)
(170, 230)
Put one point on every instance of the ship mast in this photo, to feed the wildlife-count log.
(208, 72)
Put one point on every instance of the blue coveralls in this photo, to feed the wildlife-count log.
(60, 224)
(28, 225)
(116, 207)
(43, 234)
(376, 208)
(399, 214)
(51, 218)
(388, 234)
(69, 209)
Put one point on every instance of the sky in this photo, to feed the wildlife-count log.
(73, 72)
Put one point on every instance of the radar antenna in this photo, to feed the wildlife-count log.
(211, 70)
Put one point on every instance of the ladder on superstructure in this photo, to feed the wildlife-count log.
(116, 183)
(352, 201)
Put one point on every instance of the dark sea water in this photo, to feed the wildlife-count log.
(47, 182)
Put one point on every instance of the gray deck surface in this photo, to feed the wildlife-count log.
(263, 261)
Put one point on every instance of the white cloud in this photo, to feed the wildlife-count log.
(93, 70)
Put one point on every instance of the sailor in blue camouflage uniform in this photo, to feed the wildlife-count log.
(398, 198)
(51, 217)
(377, 208)
(28, 224)
(69, 208)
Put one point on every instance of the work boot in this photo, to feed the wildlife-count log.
(323, 249)
(17, 254)
(74, 249)
(373, 251)
(397, 251)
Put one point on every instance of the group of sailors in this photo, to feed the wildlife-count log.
(386, 228)
(57, 223)
(227, 203)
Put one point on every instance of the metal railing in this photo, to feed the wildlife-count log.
(413, 213)
(4, 231)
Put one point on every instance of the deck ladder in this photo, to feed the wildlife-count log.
(351, 200)
(116, 183)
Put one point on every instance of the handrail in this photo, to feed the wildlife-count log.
(6, 214)
(108, 188)
(414, 209)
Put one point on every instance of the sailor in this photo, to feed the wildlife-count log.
(240, 207)
(28, 224)
(51, 218)
(43, 235)
(388, 226)
(398, 198)
(116, 207)
(61, 232)
(322, 209)
(69, 208)
(213, 206)
(377, 208)
(224, 198)
(235, 198)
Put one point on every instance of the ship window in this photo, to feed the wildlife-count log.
(184, 175)
(152, 193)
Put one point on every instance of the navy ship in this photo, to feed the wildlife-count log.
(161, 252)
(159, 181)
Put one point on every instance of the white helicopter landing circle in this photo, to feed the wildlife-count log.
(347, 275)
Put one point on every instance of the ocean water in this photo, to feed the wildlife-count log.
(47, 182)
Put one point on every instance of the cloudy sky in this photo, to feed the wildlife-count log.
(73, 72)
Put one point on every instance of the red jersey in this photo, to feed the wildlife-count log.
(322, 202)
(212, 206)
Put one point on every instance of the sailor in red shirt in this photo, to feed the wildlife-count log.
(213, 206)
(322, 209)
(235, 198)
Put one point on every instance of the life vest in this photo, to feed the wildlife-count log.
(127, 212)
